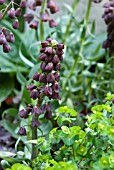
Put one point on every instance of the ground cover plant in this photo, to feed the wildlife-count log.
(56, 87)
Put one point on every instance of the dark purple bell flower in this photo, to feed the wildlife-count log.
(48, 115)
(49, 67)
(22, 131)
(10, 38)
(35, 123)
(50, 78)
(22, 4)
(47, 90)
(15, 24)
(18, 12)
(2, 39)
(11, 13)
(34, 94)
(23, 114)
(36, 110)
(6, 48)
(36, 76)
(43, 78)
(2, 2)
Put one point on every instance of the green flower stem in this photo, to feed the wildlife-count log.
(74, 6)
(6, 10)
(81, 44)
(41, 23)
(34, 153)
(34, 136)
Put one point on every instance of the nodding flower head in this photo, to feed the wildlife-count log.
(45, 83)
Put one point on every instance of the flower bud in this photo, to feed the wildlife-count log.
(47, 90)
(29, 108)
(2, 39)
(57, 67)
(48, 107)
(1, 15)
(34, 94)
(36, 76)
(60, 46)
(48, 50)
(45, 17)
(54, 10)
(34, 24)
(39, 2)
(22, 131)
(42, 78)
(43, 108)
(59, 52)
(50, 78)
(2, 2)
(23, 114)
(55, 59)
(6, 48)
(42, 50)
(11, 13)
(60, 57)
(49, 67)
(53, 23)
(18, 12)
(22, 4)
(42, 57)
(56, 87)
(37, 110)
(44, 44)
(57, 76)
(51, 4)
(49, 39)
(10, 38)
(35, 123)
(32, 5)
(55, 96)
(48, 115)
(28, 17)
(4, 31)
(15, 24)
(43, 66)
(48, 58)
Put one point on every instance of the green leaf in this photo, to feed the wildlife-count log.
(21, 79)
(24, 59)
(6, 86)
(68, 7)
(6, 154)
(10, 112)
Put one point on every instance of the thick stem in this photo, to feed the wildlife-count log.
(34, 136)
(74, 6)
(41, 23)
(81, 44)
(34, 153)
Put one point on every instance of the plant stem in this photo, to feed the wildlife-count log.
(34, 136)
(81, 44)
(41, 23)
(74, 6)
(34, 153)
(6, 10)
